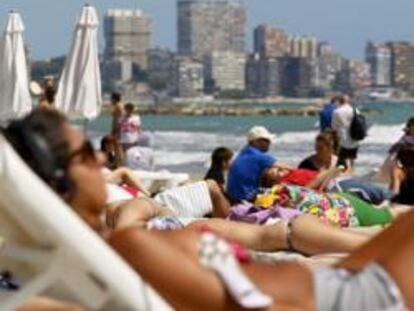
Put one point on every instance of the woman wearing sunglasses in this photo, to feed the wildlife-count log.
(373, 277)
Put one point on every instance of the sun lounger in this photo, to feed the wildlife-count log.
(51, 250)
(162, 179)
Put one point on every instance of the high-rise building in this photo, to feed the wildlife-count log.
(296, 76)
(402, 65)
(224, 71)
(303, 47)
(360, 74)
(187, 77)
(329, 63)
(270, 41)
(160, 64)
(210, 25)
(262, 76)
(379, 58)
(127, 36)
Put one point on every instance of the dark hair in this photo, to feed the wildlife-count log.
(110, 156)
(335, 99)
(129, 106)
(115, 97)
(219, 156)
(406, 156)
(105, 141)
(410, 122)
(342, 99)
(265, 180)
(50, 93)
(329, 138)
(38, 139)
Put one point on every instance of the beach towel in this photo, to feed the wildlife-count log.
(331, 208)
(247, 212)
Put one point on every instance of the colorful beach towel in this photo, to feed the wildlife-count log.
(331, 208)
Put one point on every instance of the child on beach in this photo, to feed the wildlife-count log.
(129, 127)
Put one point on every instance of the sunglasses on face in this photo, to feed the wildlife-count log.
(86, 153)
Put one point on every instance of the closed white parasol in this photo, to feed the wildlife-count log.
(79, 92)
(15, 100)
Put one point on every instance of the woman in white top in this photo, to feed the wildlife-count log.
(130, 128)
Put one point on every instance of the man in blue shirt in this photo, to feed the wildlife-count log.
(325, 116)
(248, 167)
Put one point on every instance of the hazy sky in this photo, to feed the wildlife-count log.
(348, 24)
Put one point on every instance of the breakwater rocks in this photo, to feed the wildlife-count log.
(214, 110)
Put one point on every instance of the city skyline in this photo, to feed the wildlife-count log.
(346, 24)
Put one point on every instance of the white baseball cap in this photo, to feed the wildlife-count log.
(35, 88)
(260, 132)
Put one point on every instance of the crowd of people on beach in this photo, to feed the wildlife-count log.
(249, 202)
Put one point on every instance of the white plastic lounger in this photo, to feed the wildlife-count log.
(56, 250)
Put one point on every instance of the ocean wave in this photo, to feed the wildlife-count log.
(175, 158)
(179, 148)
(384, 134)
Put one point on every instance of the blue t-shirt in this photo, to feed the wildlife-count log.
(246, 171)
(325, 116)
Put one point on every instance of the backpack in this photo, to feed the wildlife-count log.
(359, 128)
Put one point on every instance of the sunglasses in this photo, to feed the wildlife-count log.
(86, 153)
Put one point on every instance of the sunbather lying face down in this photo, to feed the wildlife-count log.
(289, 285)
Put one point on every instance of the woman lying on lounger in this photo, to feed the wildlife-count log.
(72, 169)
(48, 135)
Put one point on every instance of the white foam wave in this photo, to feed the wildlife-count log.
(296, 137)
(196, 141)
(384, 134)
(173, 158)
(178, 148)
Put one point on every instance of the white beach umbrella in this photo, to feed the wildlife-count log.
(15, 100)
(79, 92)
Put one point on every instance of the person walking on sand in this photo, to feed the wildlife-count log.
(117, 112)
(325, 116)
(341, 123)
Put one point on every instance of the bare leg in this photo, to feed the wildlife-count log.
(398, 210)
(291, 288)
(221, 205)
(382, 244)
(309, 235)
(398, 262)
(46, 304)
(255, 237)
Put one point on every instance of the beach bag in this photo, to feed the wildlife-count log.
(359, 128)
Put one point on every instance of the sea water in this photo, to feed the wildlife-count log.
(184, 143)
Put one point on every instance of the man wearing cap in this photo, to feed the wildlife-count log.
(248, 167)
